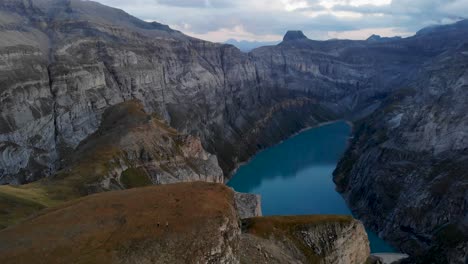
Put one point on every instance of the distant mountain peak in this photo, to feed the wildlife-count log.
(294, 35)
(378, 38)
(374, 37)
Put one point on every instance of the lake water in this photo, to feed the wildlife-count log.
(295, 176)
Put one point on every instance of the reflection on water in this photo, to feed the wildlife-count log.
(295, 177)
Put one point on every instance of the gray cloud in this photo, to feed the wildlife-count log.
(197, 3)
(415, 14)
(261, 18)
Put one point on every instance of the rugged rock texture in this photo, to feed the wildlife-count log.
(304, 239)
(405, 173)
(248, 205)
(82, 57)
(144, 144)
(130, 149)
(175, 223)
(64, 62)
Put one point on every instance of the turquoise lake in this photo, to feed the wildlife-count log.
(295, 176)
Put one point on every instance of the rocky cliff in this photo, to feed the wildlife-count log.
(405, 175)
(63, 63)
(248, 205)
(174, 223)
(304, 239)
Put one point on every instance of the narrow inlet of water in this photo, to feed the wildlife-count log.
(295, 176)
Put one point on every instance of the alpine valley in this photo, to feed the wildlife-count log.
(94, 101)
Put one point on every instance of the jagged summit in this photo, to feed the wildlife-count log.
(374, 37)
(294, 35)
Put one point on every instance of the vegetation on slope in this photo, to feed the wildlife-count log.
(99, 157)
(174, 223)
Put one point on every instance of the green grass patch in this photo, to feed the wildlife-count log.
(135, 177)
(14, 208)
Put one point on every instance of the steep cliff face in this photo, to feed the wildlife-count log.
(304, 239)
(404, 174)
(27, 107)
(64, 62)
(85, 57)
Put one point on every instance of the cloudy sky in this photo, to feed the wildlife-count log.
(268, 20)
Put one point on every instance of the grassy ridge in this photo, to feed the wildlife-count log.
(90, 163)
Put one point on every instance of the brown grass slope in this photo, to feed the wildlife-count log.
(130, 227)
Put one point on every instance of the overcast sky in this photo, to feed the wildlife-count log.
(268, 20)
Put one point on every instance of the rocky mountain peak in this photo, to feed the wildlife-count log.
(294, 35)
(374, 38)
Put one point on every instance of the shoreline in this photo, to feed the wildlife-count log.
(238, 165)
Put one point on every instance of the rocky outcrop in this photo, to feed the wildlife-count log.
(138, 145)
(248, 205)
(304, 239)
(294, 35)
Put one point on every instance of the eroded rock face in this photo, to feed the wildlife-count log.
(337, 244)
(65, 62)
(135, 149)
(86, 57)
(304, 239)
(248, 205)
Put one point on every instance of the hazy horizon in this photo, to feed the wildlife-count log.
(266, 21)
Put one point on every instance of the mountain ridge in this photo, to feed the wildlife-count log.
(60, 73)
